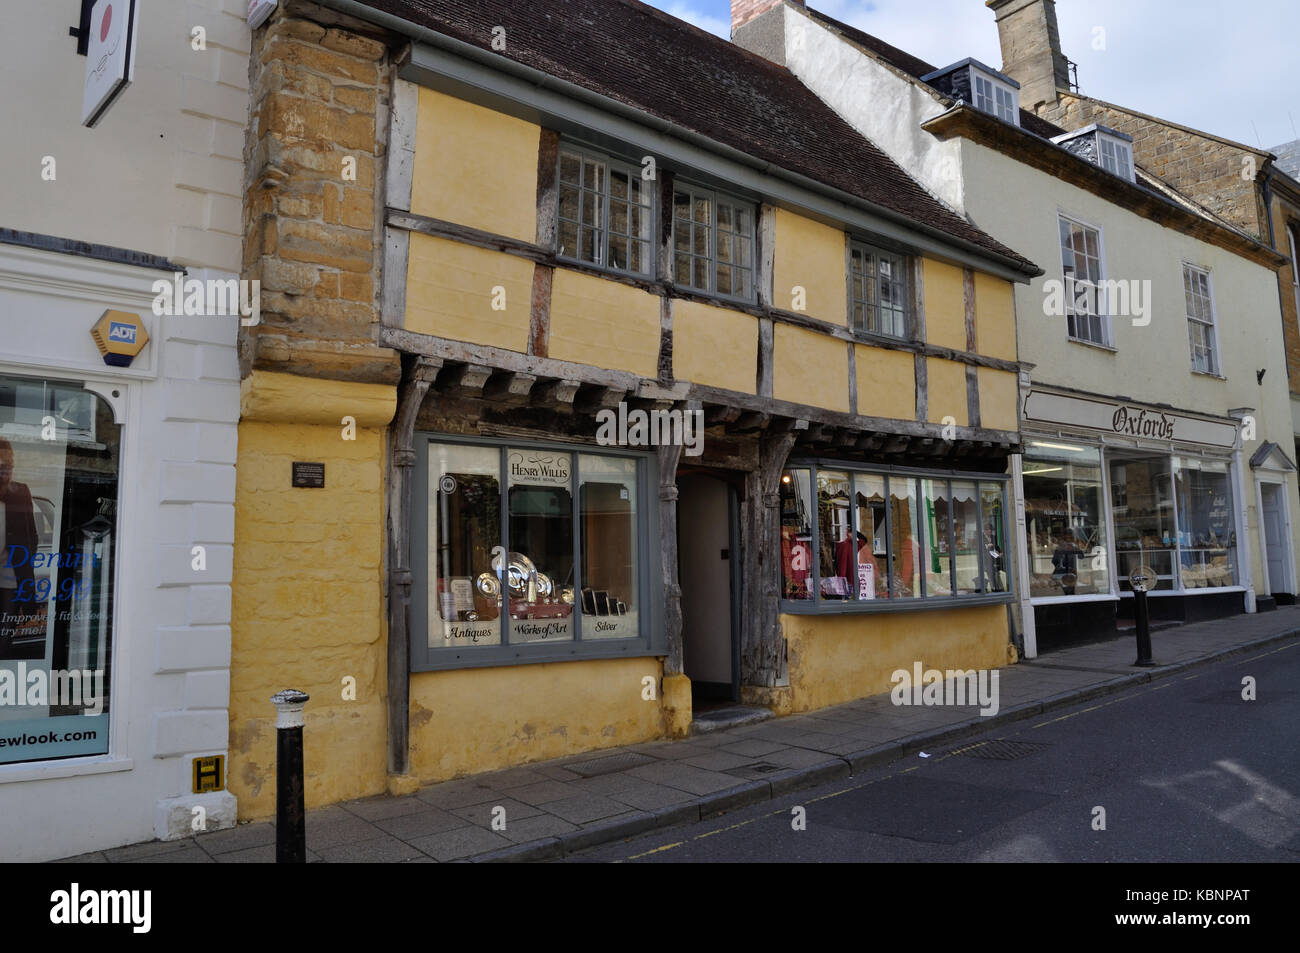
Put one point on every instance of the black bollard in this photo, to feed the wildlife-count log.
(290, 811)
(1143, 625)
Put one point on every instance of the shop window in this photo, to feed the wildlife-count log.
(1207, 536)
(879, 291)
(59, 459)
(605, 213)
(876, 545)
(713, 243)
(796, 535)
(609, 547)
(1145, 530)
(530, 552)
(1065, 523)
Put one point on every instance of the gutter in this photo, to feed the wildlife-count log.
(579, 94)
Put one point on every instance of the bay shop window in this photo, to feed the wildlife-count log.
(530, 552)
(855, 540)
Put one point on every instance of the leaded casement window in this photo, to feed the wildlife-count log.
(879, 291)
(1200, 319)
(713, 242)
(606, 213)
(1085, 306)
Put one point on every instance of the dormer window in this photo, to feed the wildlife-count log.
(990, 91)
(994, 97)
(1100, 145)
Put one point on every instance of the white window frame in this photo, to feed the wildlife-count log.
(1103, 306)
(1121, 158)
(1293, 235)
(1190, 269)
(1001, 100)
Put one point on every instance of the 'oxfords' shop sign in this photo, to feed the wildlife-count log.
(1126, 420)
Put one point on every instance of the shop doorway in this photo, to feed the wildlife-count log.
(1276, 537)
(708, 563)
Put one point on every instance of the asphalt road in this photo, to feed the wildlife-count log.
(1184, 768)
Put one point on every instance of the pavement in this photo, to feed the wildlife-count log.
(558, 808)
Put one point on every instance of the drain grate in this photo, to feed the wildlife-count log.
(763, 767)
(1001, 749)
(608, 765)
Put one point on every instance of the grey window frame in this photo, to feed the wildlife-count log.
(650, 642)
(611, 164)
(818, 606)
(906, 270)
(715, 196)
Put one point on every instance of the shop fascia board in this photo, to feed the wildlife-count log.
(568, 108)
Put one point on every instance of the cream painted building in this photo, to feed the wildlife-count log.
(1158, 428)
(119, 508)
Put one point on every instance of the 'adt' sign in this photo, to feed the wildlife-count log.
(125, 333)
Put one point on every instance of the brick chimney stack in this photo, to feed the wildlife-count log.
(742, 11)
(1031, 50)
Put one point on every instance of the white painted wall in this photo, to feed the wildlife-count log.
(162, 174)
(1019, 206)
(163, 171)
(876, 101)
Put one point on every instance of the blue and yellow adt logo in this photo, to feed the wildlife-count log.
(120, 336)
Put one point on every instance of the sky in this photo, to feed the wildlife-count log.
(1220, 66)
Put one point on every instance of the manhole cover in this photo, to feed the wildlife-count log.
(608, 765)
(1001, 750)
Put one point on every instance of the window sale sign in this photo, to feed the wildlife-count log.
(110, 56)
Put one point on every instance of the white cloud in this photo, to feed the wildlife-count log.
(696, 17)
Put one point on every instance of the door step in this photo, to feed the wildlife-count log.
(731, 717)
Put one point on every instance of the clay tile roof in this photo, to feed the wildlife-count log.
(655, 63)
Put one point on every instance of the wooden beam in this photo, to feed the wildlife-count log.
(508, 385)
(669, 456)
(555, 394)
(715, 414)
(594, 398)
(763, 661)
(465, 377)
(418, 376)
(750, 422)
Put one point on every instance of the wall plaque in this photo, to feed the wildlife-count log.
(311, 475)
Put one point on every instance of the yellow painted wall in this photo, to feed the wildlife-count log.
(945, 304)
(810, 255)
(810, 368)
(995, 317)
(946, 390)
(715, 347)
(605, 323)
(474, 166)
(473, 720)
(886, 383)
(307, 607)
(999, 396)
(449, 293)
(835, 659)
